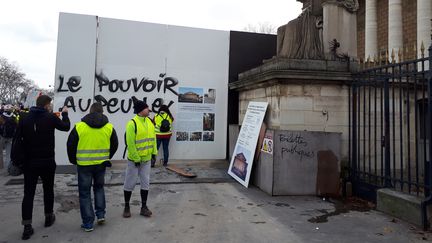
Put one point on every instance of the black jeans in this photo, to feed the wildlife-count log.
(31, 177)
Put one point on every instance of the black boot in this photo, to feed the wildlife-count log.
(146, 212)
(126, 210)
(28, 231)
(144, 209)
(49, 219)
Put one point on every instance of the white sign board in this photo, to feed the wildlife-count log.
(241, 162)
(31, 98)
(111, 61)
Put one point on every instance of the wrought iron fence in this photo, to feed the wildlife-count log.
(390, 126)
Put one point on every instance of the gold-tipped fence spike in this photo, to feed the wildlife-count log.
(422, 49)
(386, 56)
(392, 56)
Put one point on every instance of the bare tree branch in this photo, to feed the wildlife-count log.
(264, 28)
(13, 84)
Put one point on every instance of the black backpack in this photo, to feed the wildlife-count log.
(124, 152)
(9, 127)
(165, 125)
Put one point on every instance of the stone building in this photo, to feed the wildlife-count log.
(312, 94)
(386, 25)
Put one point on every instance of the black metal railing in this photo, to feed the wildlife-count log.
(390, 135)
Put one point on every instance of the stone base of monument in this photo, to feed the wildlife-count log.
(308, 117)
(301, 163)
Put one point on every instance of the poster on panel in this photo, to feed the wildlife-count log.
(242, 159)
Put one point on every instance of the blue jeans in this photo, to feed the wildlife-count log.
(165, 143)
(87, 174)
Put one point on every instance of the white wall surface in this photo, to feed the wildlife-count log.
(197, 58)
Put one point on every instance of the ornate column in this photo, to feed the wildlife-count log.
(395, 40)
(371, 27)
(424, 16)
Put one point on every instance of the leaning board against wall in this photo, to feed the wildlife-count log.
(184, 68)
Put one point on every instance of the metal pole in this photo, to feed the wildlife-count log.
(428, 199)
(387, 173)
(354, 133)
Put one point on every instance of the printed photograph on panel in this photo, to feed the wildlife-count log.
(208, 121)
(208, 136)
(240, 164)
(210, 96)
(190, 95)
(196, 136)
(182, 136)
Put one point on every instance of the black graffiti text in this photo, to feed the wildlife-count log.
(293, 138)
(73, 84)
(164, 84)
(293, 149)
(113, 105)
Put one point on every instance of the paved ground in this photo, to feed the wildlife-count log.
(201, 211)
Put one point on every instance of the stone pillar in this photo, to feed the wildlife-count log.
(339, 24)
(424, 16)
(371, 27)
(395, 40)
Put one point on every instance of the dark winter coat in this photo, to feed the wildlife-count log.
(37, 131)
(95, 120)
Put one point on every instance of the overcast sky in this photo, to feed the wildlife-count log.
(28, 28)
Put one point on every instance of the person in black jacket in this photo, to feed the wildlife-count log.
(37, 132)
(91, 144)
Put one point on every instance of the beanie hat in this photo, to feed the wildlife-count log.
(139, 106)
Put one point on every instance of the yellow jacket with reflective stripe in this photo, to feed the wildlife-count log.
(93, 144)
(158, 122)
(142, 145)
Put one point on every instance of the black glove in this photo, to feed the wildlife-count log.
(107, 163)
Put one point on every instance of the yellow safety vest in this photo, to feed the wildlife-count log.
(158, 120)
(145, 138)
(93, 144)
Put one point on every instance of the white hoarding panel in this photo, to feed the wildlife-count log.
(201, 67)
(184, 68)
(242, 160)
(75, 67)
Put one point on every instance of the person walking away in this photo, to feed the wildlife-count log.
(7, 131)
(141, 146)
(163, 127)
(37, 132)
(90, 145)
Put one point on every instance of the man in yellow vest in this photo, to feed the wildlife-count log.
(91, 144)
(141, 145)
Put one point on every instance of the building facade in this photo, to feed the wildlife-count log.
(400, 26)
